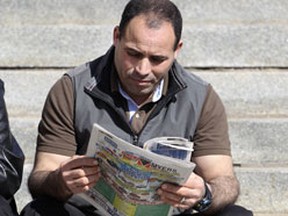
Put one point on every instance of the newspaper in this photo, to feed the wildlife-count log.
(131, 175)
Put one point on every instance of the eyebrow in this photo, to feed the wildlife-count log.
(163, 57)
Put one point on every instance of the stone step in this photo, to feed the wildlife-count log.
(263, 190)
(26, 90)
(259, 141)
(257, 113)
(246, 93)
(23, 196)
(94, 12)
(205, 45)
(216, 33)
(58, 12)
(254, 141)
(250, 92)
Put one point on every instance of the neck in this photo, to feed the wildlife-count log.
(140, 100)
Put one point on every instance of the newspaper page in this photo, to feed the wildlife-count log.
(175, 147)
(131, 176)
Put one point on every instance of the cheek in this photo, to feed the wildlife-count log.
(128, 65)
(125, 68)
(161, 70)
(129, 61)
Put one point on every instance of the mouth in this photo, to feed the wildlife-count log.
(141, 81)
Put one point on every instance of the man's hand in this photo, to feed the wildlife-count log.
(61, 176)
(185, 196)
(217, 172)
(79, 173)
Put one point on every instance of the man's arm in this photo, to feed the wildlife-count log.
(217, 171)
(44, 178)
(56, 171)
(61, 176)
(212, 156)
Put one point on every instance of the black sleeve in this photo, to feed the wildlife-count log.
(11, 155)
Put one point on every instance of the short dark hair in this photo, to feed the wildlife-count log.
(156, 11)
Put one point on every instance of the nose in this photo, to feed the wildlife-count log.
(143, 67)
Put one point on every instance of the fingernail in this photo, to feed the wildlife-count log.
(164, 186)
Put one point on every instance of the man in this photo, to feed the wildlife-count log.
(138, 91)
(11, 162)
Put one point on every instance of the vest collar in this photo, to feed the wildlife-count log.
(104, 76)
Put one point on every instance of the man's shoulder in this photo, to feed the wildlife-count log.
(79, 70)
(85, 73)
(188, 77)
(92, 68)
(192, 77)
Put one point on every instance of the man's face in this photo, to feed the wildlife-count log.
(143, 56)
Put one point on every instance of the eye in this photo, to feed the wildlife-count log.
(157, 59)
(134, 53)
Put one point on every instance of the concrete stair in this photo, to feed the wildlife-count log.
(240, 47)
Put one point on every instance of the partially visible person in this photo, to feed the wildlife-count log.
(11, 162)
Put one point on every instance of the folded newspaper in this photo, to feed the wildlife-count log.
(131, 175)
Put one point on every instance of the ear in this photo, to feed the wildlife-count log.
(116, 35)
(178, 48)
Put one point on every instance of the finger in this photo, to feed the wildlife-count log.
(170, 198)
(178, 196)
(86, 171)
(182, 205)
(185, 203)
(172, 189)
(176, 200)
(83, 184)
(181, 191)
(79, 161)
(87, 179)
(80, 172)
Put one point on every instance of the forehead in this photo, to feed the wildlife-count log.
(150, 32)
